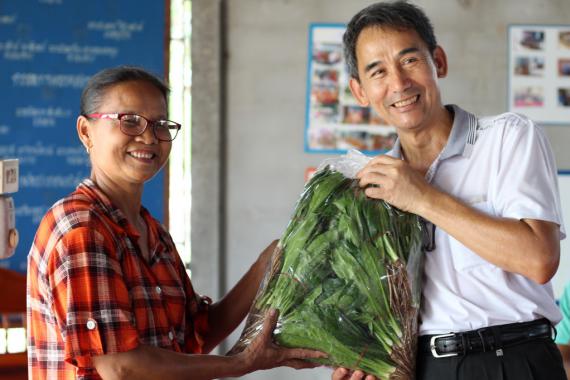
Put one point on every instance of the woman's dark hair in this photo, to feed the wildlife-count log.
(94, 91)
(399, 15)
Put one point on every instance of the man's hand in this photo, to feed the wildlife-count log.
(346, 374)
(394, 181)
(528, 247)
(263, 353)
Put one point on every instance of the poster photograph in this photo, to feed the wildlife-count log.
(334, 120)
(539, 72)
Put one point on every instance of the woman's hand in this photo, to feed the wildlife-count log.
(263, 353)
(346, 374)
(265, 256)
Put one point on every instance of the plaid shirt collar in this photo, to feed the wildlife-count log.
(122, 226)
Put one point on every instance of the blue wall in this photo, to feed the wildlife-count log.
(48, 50)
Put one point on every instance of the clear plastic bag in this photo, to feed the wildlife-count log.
(345, 277)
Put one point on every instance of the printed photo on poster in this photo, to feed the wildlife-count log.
(564, 39)
(564, 67)
(529, 40)
(564, 97)
(529, 66)
(529, 96)
(539, 72)
(335, 122)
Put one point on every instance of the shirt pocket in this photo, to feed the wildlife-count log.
(463, 257)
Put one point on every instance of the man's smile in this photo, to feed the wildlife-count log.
(406, 102)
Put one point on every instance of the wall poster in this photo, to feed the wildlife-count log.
(539, 72)
(334, 121)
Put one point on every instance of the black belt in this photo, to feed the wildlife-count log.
(493, 338)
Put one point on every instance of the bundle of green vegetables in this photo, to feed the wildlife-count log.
(345, 278)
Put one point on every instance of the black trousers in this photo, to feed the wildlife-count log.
(537, 359)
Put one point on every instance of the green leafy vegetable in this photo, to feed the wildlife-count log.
(345, 279)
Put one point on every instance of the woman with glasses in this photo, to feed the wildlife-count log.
(108, 295)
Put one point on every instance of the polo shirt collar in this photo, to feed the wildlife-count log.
(461, 139)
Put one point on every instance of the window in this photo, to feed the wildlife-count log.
(180, 80)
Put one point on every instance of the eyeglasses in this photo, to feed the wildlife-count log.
(135, 125)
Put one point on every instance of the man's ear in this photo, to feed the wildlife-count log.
(83, 131)
(358, 92)
(440, 61)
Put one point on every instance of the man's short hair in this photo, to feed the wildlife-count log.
(399, 15)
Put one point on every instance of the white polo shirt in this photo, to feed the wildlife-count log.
(503, 166)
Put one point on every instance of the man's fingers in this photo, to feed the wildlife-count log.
(357, 375)
(365, 171)
(373, 192)
(383, 159)
(339, 374)
(371, 178)
(379, 163)
(345, 374)
(376, 170)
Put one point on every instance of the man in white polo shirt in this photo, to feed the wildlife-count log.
(487, 188)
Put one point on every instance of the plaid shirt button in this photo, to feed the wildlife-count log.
(170, 335)
(158, 290)
(91, 324)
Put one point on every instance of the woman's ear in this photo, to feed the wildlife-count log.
(84, 132)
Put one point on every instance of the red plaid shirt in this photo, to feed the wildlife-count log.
(90, 292)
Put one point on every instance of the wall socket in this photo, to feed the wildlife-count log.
(9, 176)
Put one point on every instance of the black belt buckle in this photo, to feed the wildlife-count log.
(433, 347)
